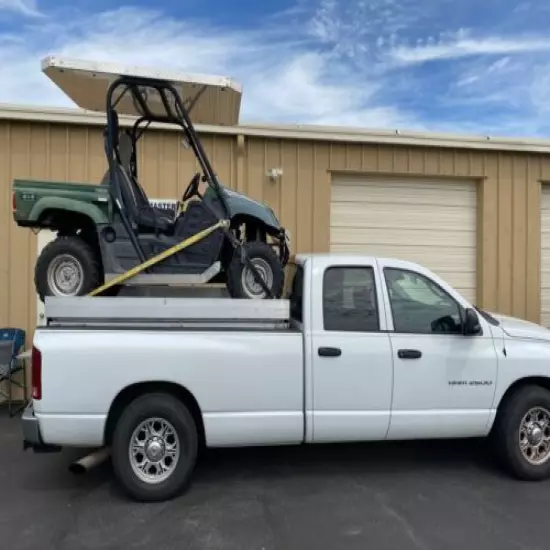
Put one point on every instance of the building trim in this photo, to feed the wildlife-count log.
(474, 177)
(292, 131)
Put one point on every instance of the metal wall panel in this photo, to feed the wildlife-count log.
(545, 255)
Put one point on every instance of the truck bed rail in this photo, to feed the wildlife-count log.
(144, 312)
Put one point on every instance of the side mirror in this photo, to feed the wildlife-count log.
(471, 323)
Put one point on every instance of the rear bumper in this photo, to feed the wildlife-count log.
(32, 438)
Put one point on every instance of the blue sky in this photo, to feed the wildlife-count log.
(437, 65)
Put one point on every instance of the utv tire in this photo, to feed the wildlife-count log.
(66, 266)
(241, 282)
(522, 419)
(159, 478)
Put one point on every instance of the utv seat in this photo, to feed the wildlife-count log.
(160, 211)
(147, 218)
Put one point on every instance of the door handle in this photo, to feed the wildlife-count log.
(329, 352)
(409, 354)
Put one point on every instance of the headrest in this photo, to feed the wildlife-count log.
(363, 298)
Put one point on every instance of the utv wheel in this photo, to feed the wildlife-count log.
(522, 434)
(66, 267)
(241, 282)
(154, 448)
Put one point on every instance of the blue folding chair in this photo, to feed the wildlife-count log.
(12, 341)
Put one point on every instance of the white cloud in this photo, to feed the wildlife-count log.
(510, 95)
(24, 7)
(499, 64)
(539, 91)
(467, 47)
(489, 78)
(284, 80)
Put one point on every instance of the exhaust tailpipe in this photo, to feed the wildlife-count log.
(86, 463)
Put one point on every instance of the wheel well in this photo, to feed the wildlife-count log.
(254, 229)
(128, 394)
(67, 222)
(540, 381)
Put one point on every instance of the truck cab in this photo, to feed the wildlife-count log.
(396, 352)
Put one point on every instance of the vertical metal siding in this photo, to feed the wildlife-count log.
(63, 152)
(508, 212)
(508, 243)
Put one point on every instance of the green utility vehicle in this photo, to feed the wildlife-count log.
(110, 234)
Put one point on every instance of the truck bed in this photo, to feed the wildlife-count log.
(242, 360)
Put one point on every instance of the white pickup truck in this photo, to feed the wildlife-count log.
(363, 348)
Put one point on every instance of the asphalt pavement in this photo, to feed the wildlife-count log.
(442, 495)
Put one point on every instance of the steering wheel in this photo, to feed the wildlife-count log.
(444, 324)
(192, 188)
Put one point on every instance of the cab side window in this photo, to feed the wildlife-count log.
(349, 300)
(419, 305)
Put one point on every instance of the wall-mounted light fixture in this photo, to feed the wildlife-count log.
(274, 173)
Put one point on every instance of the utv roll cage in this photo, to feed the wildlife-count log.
(176, 113)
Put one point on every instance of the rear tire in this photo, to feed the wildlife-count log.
(66, 266)
(522, 422)
(148, 475)
(241, 282)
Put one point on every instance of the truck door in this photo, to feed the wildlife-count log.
(444, 381)
(351, 356)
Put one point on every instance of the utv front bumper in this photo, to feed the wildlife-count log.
(32, 438)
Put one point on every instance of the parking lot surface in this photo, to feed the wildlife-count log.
(394, 496)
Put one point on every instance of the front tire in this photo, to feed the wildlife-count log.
(241, 282)
(522, 434)
(67, 266)
(154, 448)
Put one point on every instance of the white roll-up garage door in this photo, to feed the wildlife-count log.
(545, 256)
(431, 222)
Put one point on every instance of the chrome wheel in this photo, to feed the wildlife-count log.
(250, 285)
(154, 450)
(534, 436)
(65, 275)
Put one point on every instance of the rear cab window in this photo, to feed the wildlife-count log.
(349, 299)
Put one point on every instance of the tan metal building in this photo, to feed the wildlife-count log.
(476, 211)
